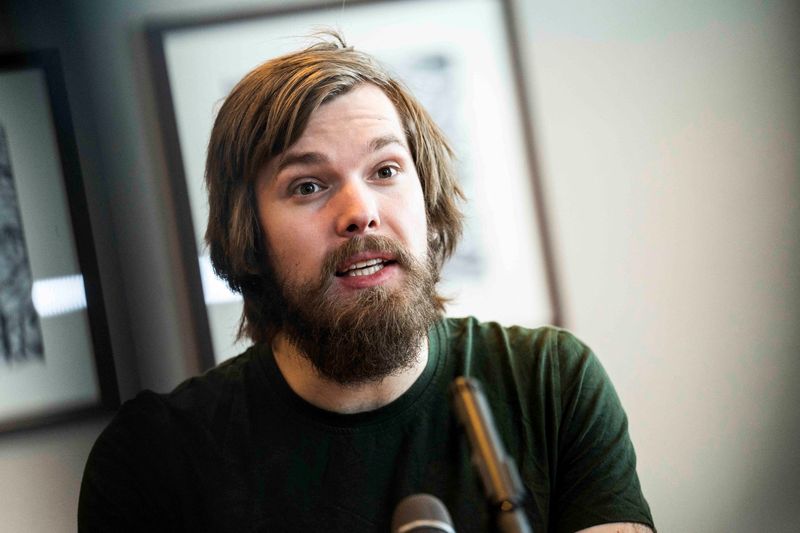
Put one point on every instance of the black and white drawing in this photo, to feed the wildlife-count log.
(430, 78)
(55, 350)
(20, 334)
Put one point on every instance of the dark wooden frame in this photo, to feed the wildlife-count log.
(156, 32)
(49, 63)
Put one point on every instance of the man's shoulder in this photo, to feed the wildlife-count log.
(475, 326)
(534, 359)
(492, 338)
(197, 400)
(227, 377)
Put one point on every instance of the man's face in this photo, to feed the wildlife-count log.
(349, 175)
(343, 216)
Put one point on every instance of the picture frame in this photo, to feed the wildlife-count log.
(55, 349)
(460, 58)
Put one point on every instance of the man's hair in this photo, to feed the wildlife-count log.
(266, 113)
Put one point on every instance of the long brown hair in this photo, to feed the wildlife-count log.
(267, 112)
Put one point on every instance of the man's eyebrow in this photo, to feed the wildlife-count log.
(380, 142)
(305, 158)
(312, 158)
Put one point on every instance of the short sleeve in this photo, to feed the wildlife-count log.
(596, 481)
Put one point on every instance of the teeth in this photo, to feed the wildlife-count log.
(366, 271)
(362, 264)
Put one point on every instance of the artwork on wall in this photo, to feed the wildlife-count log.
(458, 57)
(20, 333)
(55, 356)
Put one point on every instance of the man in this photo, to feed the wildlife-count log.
(333, 206)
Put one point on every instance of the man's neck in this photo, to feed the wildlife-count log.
(307, 383)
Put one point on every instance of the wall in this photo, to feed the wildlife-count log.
(668, 137)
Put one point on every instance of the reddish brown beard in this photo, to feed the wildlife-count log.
(367, 336)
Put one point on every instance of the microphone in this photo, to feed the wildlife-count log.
(497, 470)
(421, 513)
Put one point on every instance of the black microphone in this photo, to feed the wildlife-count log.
(497, 470)
(421, 513)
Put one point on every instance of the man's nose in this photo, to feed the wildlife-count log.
(357, 210)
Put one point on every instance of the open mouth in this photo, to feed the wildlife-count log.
(365, 268)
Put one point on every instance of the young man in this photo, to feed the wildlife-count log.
(333, 206)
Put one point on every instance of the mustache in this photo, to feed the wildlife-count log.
(367, 243)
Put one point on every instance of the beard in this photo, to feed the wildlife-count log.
(368, 334)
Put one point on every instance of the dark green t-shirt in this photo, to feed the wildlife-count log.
(237, 450)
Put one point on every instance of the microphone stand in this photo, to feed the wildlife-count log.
(501, 481)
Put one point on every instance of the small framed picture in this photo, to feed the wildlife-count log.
(55, 351)
(458, 57)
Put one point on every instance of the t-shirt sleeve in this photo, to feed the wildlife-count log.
(596, 481)
(121, 488)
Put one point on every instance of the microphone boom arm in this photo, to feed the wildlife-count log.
(497, 470)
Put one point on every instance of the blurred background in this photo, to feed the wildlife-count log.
(667, 138)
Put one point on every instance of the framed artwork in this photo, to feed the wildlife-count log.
(55, 351)
(458, 57)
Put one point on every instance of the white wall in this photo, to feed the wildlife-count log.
(668, 136)
(40, 476)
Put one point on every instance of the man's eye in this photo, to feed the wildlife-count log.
(306, 188)
(386, 172)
